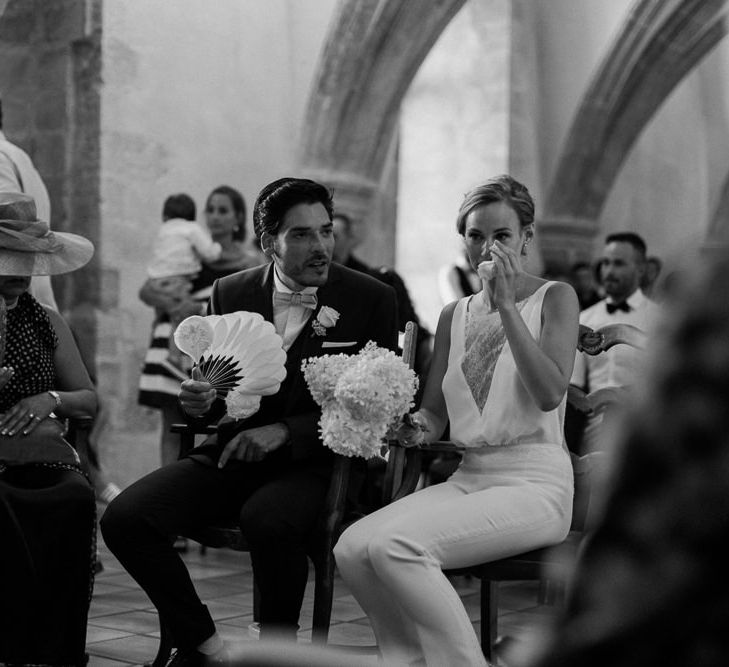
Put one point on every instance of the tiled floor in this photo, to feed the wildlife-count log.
(123, 627)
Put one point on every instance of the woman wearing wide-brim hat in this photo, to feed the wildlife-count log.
(47, 508)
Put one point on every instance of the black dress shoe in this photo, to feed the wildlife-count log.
(186, 658)
(193, 658)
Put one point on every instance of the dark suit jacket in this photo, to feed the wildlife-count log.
(368, 311)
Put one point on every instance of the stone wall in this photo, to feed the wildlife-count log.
(195, 94)
(49, 71)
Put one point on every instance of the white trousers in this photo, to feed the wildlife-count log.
(500, 502)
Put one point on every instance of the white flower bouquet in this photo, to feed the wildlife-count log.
(362, 397)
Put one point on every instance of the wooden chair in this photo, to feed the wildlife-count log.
(547, 564)
(227, 534)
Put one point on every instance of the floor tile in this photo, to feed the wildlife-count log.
(221, 586)
(220, 610)
(98, 661)
(97, 633)
(135, 649)
(123, 627)
(351, 634)
(134, 598)
(134, 622)
(244, 600)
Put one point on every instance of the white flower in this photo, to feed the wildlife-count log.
(327, 317)
(361, 396)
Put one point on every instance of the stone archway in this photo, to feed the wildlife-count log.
(717, 234)
(661, 41)
(373, 51)
(374, 48)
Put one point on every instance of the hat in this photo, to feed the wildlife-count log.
(27, 245)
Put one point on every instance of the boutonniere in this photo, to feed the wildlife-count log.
(326, 318)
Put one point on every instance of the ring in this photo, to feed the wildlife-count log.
(31, 415)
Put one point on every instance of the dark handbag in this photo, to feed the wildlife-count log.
(45, 444)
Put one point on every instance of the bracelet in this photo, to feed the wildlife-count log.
(56, 398)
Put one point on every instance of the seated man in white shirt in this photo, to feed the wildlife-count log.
(621, 270)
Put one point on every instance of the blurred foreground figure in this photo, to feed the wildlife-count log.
(285, 654)
(648, 590)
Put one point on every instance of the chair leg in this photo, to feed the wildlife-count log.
(323, 598)
(256, 601)
(166, 644)
(489, 617)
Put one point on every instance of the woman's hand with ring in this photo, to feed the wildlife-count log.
(411, 431)
(26, 414)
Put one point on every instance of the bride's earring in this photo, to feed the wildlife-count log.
(524, 248)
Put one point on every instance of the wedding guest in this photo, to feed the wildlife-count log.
(621, 269)
(159, 384)
(178, 251)
(345, 241)
(270, 470)
(499, 375)
(649, 282)
(18, 174)
(582, 278)
(648, 589)
(47, 508)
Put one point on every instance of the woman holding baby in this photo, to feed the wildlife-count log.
(499, 376)
(225, 218)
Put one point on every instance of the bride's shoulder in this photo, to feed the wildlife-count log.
(558, 294)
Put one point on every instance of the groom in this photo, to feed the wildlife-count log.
(270, 470)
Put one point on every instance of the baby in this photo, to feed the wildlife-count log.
(178, 252)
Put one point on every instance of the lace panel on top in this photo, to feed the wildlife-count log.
(484, 340)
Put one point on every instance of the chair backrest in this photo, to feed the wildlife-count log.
(396, 458)
(594, 342)
(409, 344)
(588, 471)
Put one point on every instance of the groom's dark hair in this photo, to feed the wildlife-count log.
(278, 197)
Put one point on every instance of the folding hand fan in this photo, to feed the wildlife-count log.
(238, 351)
(193, 336)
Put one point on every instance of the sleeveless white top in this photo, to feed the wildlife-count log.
(487, 403)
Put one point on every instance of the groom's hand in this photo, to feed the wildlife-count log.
(254, 444)
(197, 395)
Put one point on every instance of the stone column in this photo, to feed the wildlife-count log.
(564, 241)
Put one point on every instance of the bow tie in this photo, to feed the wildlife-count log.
(294, 299)
(622, 305)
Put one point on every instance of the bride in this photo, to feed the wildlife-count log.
(499, 376)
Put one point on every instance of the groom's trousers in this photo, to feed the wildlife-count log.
(277, 505)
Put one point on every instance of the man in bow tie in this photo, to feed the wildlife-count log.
(621, 270)
(271, 469)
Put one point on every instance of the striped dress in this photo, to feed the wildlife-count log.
(159, 383)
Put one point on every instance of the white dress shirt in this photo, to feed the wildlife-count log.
(289, 319)
(621, 365)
